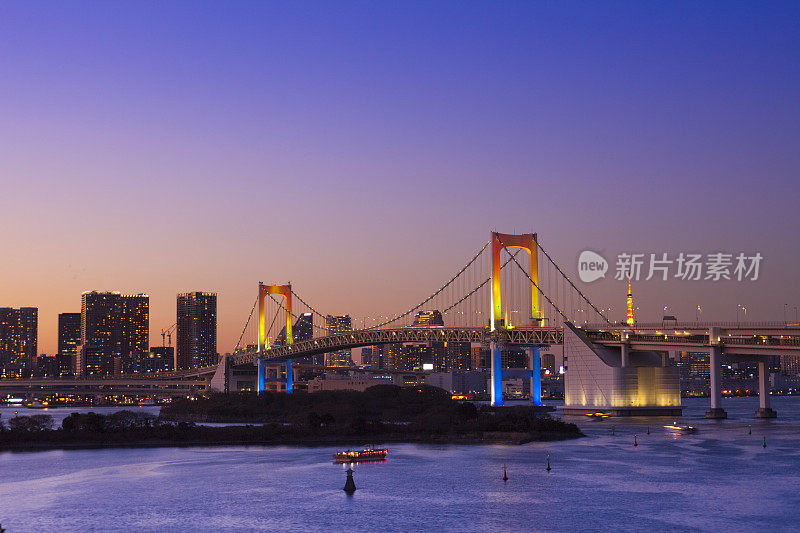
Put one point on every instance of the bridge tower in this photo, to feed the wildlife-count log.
(527, 242)
(263, 342)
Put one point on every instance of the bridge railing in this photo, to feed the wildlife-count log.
(670, 325)
(762, 341)
(680, 339)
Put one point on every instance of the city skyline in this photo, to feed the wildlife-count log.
(148, 155)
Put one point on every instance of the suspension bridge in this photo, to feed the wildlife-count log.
(512, 293)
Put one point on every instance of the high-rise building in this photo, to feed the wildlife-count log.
(338, 324)
(514, 357)
(134, 329)
(69, 337)
(458, 356)
(694, 365)
(366, 356)
(428, 318)
(790, 365)
(480, 357)
(302, 330)
(390, 356)
(197, 330)
(114, 332)
(413, 356)
(19, 330)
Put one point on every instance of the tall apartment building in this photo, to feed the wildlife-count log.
(197, 330)
(19, 329)
(69, 338)
(338, 324)
(134, 329)
(115, 332)
(458, 356)
(302, 330)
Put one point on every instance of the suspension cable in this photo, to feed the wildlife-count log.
(573, 285)
(307, 305)
(432, 296)
(487, 280)
(279, 304)
(273, 323)
(245, 325)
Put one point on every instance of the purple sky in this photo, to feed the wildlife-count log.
(365, 150)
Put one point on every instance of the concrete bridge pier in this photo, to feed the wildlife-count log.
(764, 410)
(289, 376)
(496, 391)
(625, 351)
(536, 376)
(715, 371)
(260, 378)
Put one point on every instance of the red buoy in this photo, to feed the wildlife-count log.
(635, 443)
(505, 476)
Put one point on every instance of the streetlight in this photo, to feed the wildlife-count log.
(784, 313)
(697, 313)
(740, 306)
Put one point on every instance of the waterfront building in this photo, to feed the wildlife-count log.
(69, 337)
(334, 325)
(134, 338)
(413, 356)
(366, 357)
(390, 356)
(458, 356)
(46, 366)
(115, 330)
(790, 365)
(480, 357)
(19, 330)
(196, 330)
(694, 365)
(514, 357)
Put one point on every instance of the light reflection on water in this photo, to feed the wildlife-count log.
(720, 478)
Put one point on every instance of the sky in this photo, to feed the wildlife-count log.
(365, 150)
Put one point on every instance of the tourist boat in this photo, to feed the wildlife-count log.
(36, 404)
(598, 415)
(357, 456)
(683, 428)
(147, 402)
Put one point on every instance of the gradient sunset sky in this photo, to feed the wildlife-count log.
(364, 150)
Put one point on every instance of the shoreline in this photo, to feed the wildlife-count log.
(489, 438)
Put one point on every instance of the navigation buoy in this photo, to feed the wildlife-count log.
(505, 476)
(764, 444)
(612, 430)
(749, 429)
(349, 485)
(648, 430)
(635, 442)
(548, 464)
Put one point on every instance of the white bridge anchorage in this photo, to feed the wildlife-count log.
(498, 301)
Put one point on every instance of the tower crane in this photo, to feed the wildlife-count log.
(168, 333)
